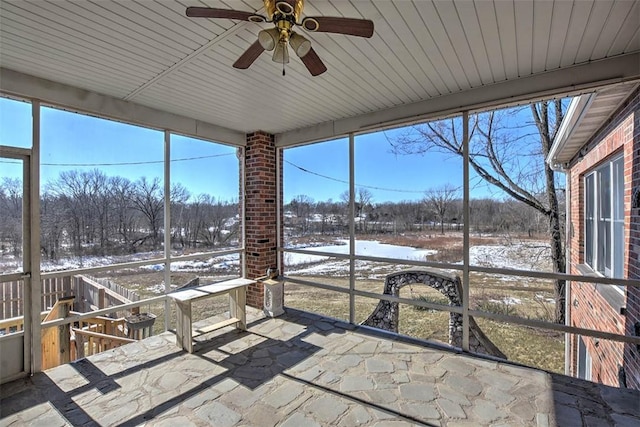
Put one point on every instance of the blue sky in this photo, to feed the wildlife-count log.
(387, 176)
(75, 142)
(319, 171)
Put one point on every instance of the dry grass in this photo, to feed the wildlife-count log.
(494, 293)
(529, 346)
(533, 347)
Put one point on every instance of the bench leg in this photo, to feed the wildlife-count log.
(237, 304)
(184, 337)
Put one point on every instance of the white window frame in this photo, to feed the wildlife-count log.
(604, 218)
(583, 370)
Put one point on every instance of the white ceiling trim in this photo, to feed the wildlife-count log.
(565, 81)
(60, 95)
(188, 59)
(192, 56)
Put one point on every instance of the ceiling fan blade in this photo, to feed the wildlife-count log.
(249, 56)
(313, 63)
(329, 24)
(210, 12)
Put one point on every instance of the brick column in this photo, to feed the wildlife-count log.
(259, 170)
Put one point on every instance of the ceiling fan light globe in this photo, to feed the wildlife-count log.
(269, 38)
(281, 54)
(300, 44)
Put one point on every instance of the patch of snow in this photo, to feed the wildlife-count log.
(519, 256)
(305, 264)
(363, 247)
(508, 301)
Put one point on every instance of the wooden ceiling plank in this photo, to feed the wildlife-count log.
(461, 53)
(523, 13)
(577, 27)
(471, 26)
(405, 41)
(542, 19)
(85, 25)
(619, 13)
(505, 16)
(558, 33)
(452, 67)
(594, 30)
(37, 25)
(62, 53)
(628, 38)
(491, 39)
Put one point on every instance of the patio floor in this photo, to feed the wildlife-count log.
(302, 370)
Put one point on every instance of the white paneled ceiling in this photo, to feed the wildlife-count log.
(425, 57)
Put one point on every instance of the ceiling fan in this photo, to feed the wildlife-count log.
(286, 14)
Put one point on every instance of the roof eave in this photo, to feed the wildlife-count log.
(572, 119)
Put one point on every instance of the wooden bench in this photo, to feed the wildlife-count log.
(237, 290)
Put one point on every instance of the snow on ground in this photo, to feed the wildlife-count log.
(523, 256)
(508, 301)
(363, 247)
(304, 264)
(225, 262)
(519, 256)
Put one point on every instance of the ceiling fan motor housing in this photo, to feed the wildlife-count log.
(284, 9)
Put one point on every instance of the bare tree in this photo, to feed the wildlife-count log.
(11, 214)
(122, 209)
(148, 198)
(72, 190)
(302, 206)
(363, 204)
(440, 201)
(509, 158)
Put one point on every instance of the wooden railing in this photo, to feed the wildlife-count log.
(91, 294)
(61, 345)
(100, 324)
(88, 343)
(103, 325)
(16, 324)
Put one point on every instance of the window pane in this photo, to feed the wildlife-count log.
(589, 218)
(618, 249)
(584, 361)
(316, 195)
(102, 185)
(405, 199)
(618, 190)
(204, 196)
(604, 220)
(11, 187)
(604, 184)
(604, 247)
(15, 123)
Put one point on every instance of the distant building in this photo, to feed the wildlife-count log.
(598, 147)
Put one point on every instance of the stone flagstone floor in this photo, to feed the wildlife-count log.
(302, 370)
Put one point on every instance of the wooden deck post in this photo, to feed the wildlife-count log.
(56, 341)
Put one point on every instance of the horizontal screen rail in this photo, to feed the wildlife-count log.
(541, 324)
(478, 269)
(133, 264)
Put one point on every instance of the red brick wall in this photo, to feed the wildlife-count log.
(632, 169)
(259, 168)
(588, 307)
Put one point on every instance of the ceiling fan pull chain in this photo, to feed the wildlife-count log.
(283, 70)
